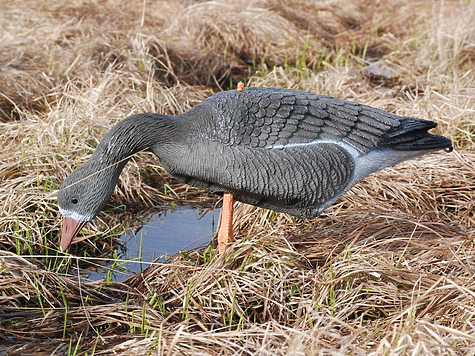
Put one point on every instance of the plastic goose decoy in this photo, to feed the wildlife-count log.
(286, 150)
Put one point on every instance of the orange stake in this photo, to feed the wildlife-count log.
(225, 234)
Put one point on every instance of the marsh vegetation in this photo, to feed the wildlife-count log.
(388, 270)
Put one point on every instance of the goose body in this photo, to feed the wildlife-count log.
(286, 150)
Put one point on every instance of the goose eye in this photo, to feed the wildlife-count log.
(74, 201)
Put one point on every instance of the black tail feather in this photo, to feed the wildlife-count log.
(412, 134)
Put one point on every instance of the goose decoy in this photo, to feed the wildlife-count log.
(285, 150)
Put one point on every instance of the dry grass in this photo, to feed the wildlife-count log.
(388, 270)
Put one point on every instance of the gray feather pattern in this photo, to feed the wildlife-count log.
(286, 150)
(289, 116)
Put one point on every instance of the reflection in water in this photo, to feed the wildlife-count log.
(164, 233)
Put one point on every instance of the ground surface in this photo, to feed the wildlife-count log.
(388, 270)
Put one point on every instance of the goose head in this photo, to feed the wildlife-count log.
(83, 194)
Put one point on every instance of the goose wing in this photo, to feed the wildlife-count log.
(267, 117)
(287, 150)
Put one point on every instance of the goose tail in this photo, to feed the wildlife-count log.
(412, 135)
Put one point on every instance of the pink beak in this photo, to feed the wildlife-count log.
(71, 229)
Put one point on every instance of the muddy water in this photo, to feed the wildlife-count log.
(163, 234)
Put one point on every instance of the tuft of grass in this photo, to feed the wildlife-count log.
(387, 270)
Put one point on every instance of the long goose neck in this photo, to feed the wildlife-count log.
(134, 134)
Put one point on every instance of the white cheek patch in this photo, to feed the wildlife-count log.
(76, 216)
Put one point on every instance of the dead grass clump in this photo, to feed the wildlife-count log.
(23, 89)
(451, 38)
(51, 302)
(380, 281)
(218, 43)
(376, 272)
(387, 270)
(172, 66)
(243, 29)
(295, 33)
(435, 185)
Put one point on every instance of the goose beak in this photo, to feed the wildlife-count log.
(71, 228)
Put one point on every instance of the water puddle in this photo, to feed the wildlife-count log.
(164, 233)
